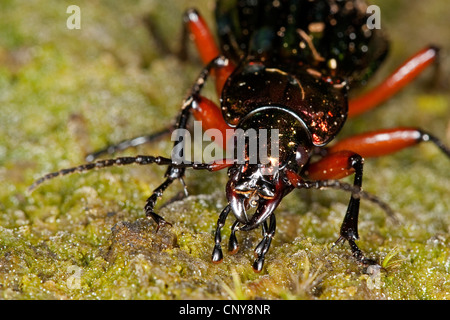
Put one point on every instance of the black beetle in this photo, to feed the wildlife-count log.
(285, 65)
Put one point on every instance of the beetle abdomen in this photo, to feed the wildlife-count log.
(332, 36)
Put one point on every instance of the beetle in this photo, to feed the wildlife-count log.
(285, 65)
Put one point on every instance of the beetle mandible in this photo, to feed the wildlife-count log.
(285, 65)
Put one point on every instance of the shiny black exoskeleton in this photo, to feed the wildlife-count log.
(293, 64)
(295, 61)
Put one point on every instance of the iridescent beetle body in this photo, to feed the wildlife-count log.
(299, 55)
(286, 65)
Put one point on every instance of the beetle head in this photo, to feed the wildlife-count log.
(259, 182)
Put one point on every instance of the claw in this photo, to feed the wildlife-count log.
(217, 255)
(158, 219)
(162, 224)
(356, 252)
(258, 264)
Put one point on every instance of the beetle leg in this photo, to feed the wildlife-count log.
(206, 46)
(233, 245)
(151, 202)
(186, 111)
(370, 144)
(340, 163)
(203, 110)
(335, 166)
(349, 227)
(386, 141)
(217, 255)
(396, 81)
(264, 211)
(334, 163)
(211, 117)
(208, 50)
(262, 248)
(176, 171)
(201, 34)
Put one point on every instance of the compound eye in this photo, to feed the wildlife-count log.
(301, 156)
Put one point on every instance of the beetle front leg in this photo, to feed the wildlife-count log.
(172, 173)
(151, 202)
(349, 227)
(262, 248)
(265, 211)
(233, 245)
(190, 105)
(336, 166)
(217, 255)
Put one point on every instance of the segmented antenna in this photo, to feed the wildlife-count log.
(120, 161)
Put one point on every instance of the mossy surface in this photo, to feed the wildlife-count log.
(64, 93)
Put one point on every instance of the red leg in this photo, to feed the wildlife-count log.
(206, 46)
(202, 36)
(333, 166)
(371, 144)
(387, 141)
(340, 162)
(209, 114)
(395, 82)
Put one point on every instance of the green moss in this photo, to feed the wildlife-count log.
(65, 93)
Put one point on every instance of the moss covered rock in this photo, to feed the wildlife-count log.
(64, 93)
